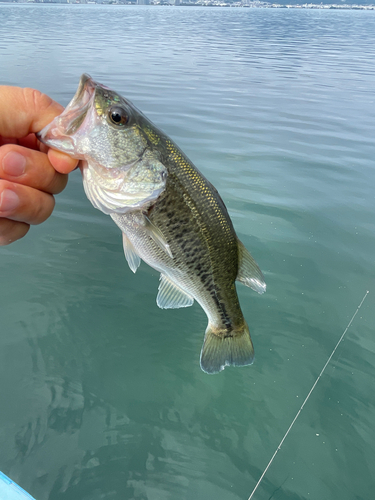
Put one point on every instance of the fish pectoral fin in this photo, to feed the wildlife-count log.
(171, 296)
(231, 349)
(131, 255)
(248, 271)
(157, 236)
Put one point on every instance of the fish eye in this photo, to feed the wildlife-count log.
(118, 116)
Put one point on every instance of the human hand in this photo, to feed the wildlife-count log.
(30, 173)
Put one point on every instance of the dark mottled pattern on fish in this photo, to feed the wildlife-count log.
(170, 214)
(196, 224)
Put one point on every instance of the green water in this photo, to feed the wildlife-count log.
(101, 393)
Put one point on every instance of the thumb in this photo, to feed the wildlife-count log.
(62, 162)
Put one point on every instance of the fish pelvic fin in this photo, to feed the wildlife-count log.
(226, 349)
(131, 255)
(158, 237)
(171, 296)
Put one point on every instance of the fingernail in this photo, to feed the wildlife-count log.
(14, 164)
(8, 201)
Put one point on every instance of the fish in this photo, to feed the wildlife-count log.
(170, 215)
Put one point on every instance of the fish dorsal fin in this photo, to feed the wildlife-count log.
(171, 296)
(130, 254)
(248, 271)
(157, 236)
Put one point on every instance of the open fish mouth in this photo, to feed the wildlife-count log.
(59, 133)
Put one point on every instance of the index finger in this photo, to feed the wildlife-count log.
(25, 111)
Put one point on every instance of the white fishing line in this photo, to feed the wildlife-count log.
(307, 397)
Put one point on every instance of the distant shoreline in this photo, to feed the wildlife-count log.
(199, 3)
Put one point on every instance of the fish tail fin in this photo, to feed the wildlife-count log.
(225, 349)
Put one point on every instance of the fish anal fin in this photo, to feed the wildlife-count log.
(157, 236)
(171, 296)
(130, 254)
(248, 271)
(222, 350)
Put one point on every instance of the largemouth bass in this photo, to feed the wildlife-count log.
(170, 216)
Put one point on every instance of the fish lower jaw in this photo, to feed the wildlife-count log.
(52, 137)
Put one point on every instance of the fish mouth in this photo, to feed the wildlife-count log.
(59, 133)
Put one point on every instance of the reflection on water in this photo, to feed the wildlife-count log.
(102, 396)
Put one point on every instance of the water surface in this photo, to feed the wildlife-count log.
(101, 392)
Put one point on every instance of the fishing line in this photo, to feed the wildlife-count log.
(307, 397)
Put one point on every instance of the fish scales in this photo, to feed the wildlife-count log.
(170, 214)
(218, 270)
(189, 194)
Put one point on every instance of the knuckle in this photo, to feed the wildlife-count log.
(11, 231)
(57, 184)
(49, 183)
(44, 209)
(36, 99)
